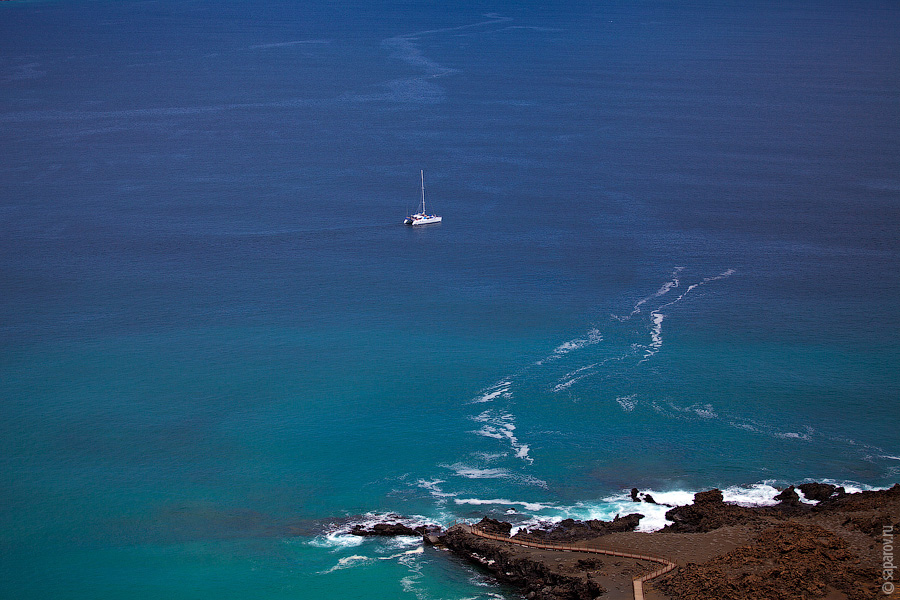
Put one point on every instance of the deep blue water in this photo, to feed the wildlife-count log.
(670, 259)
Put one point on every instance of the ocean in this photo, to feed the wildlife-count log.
(669, 259)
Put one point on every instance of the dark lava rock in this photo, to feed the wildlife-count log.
(789, 560)
(636, 496)
(867, 500)
(788, 496)
(494, 526)
(817, 491)
(534, 578)
(386, 529)
(708, 512)
(570, 530)
(713, 496)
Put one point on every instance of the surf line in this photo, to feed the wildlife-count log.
(637, 582)
(657, 317)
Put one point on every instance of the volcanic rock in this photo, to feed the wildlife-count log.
(708, 512)
(535, 578)
(494, 526)
(788, 496)
(570, 530)
(386, 529)
(819, 491)
(790, 560)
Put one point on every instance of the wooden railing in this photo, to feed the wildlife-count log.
(637, 582)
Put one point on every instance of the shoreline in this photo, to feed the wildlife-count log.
(830, 550)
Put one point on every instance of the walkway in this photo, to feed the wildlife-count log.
(637, 582)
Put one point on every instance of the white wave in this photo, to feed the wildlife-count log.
(400, 542)
(760, 494)
(475, 473)
(565, 384)
(693, 286)
(621, 504)
(434, 489)
(662, 291)
(494, 392)
(348, 562)
(627, 402)
(593, 337)
(470, 472)
(655, 335)
(336, 540)
(704, 411)
(490, 456)
(791, 435)
(532, 506)
(757, 494)
(606, 509)
(339, 536)
(501, 425)
(657, 317)
(286, 44)
(569, 379)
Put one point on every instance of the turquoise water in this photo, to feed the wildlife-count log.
(668, 260)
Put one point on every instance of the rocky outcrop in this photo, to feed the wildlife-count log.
(535, 577)
(386, 529)
(790, 560)
(494, 526)
(570, 530)
(708, 512)
(789, 497)
(860, 501)
(637, 496)
(798, 550)
(820, 491)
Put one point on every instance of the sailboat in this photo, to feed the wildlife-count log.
(422, 217)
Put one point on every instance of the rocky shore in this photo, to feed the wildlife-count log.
(830, 550)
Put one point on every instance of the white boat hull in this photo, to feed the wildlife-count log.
(422, 217)
(417, 220)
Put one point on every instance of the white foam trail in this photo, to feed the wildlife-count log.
(662, 291)
(498, 390)
(657, 317)
(593, 337)
(757, 494)
(655, 335)
(470, 472)
(286, 44)
(434, 489)
(501, 425)
(336, 540)
(723, 275)
(792, 435)
(349, 562)
(627, 402)
(569, 379)
(704, 411)
(406, 541)
(532, 506)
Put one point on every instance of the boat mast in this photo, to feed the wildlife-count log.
(423, 191)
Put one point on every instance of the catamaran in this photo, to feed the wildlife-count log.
(422, 217)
